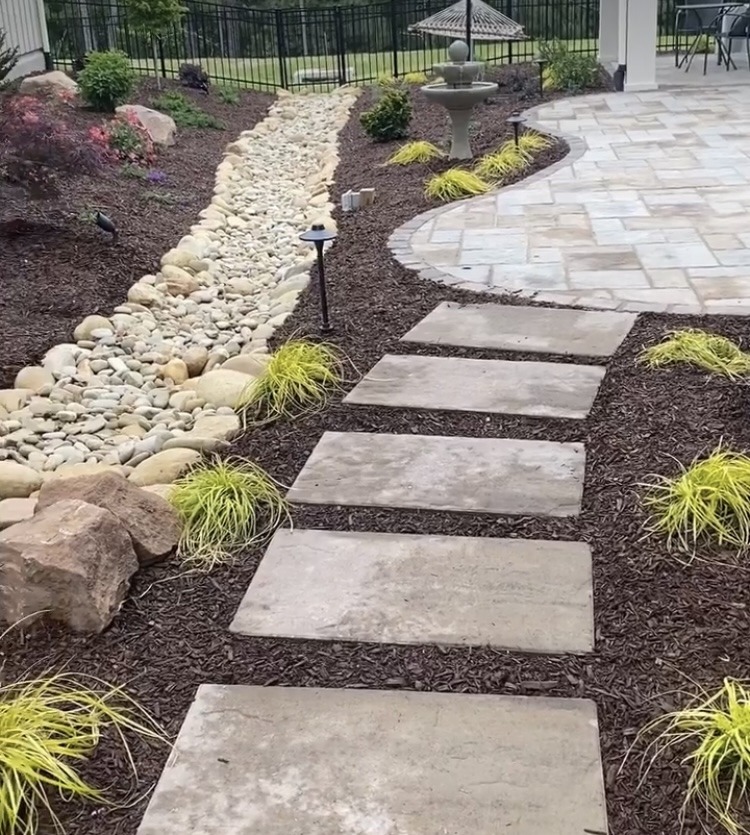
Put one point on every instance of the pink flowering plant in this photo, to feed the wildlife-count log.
(38, 149)
(124, 138)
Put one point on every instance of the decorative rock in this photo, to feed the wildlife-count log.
(144, 294)
(54, 82)
(152, 524)
(13, 511)
(195, 359)
(33, 378)
(72, 470)
(178, 281)
(175, 370)
(86, 329)
(252, 364)
(217, 426)
(17, 480)
(164, 467)
(72, 562)
(160, 127)
(222, 388)
(164, 491)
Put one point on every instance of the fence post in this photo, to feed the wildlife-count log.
(281, 45)
(162, 60)
(338, 22)
(394, 38)
(509, 13)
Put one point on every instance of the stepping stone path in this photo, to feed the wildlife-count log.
(282, 760)
(406, 589)
(431, 472)
(539, 389)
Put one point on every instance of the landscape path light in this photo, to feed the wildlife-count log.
(319, 235)
(516, 120)
(541, 63)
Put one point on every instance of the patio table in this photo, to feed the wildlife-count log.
(716, 24)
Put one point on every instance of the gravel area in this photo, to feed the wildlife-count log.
(659, 624)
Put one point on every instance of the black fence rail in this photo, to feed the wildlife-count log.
(298, 47)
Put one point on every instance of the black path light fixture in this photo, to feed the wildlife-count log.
(541, 62)
(107, 225)
(468, 29)
(516, 120)
(319, 235)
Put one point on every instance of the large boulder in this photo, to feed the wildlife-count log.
(161, 128)
(71, 562)
(54, 82)
(151, 522)
(18, 481)
(223, 388)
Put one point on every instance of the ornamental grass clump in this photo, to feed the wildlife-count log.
(709, 351)
(418, 151)
(296, 381)
(454, 184)
(509, 161)
(224, 506)
(709, 500)
(48, 727)
(532, 142)
(715, 732)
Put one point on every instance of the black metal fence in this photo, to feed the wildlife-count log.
(295, 47)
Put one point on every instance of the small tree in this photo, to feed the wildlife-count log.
(8, 58)
(152, 18)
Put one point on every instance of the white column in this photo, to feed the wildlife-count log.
(640, 45)
(609, 25)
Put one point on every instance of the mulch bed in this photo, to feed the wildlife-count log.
(658, 623)
(58, 267)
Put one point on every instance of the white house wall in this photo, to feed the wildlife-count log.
(24, 27)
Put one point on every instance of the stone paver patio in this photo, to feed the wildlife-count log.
(648, 212)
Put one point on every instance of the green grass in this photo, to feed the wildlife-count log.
(712, 733)
(454, 184)
(48, 728)
(707, 501)
(701, 349)
(224, 505)
(418, 151)
(295, 382)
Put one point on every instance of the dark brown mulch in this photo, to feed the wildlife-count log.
(657, 622)
(57, 267)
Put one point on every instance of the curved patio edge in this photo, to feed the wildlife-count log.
(401, 240)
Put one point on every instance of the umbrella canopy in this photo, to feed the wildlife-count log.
(487, 23)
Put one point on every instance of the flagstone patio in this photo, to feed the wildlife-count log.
(648, 212)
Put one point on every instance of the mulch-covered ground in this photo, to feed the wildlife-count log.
(659, 624)
(56, 266)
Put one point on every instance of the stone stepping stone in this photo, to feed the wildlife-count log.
(519, 594)
(517, 328)
(431, 472)
(283, 760)
(539, 389)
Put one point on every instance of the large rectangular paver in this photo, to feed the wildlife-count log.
(518, 328)
(432, 472)
(308, 761)
(520, 594)
(540, 389)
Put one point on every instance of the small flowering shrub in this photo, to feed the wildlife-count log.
(38, 149)
(124, 138)
(106, 80)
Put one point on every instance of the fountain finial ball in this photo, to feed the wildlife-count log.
(458, 52)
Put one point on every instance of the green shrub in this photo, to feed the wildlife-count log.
(8, 59)
(389, 118)
(229, 95)
(568, 71)
(106, 80)
(184, 112)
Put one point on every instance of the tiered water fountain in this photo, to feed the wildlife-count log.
(459, 93)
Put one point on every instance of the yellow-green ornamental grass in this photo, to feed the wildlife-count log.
(48, 727)
(507, 162)
(707, 501)
(297, 380)
(418, 151)
(714, 730)
(454, 184)
(225, 505)
(709, 351)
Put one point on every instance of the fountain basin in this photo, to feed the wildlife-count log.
(459, 101)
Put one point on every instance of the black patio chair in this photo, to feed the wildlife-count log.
(735, 27)
(690, 26)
